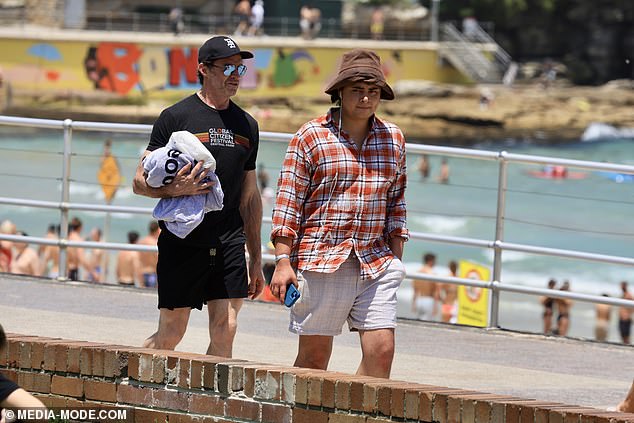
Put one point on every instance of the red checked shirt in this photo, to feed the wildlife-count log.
(333, 198)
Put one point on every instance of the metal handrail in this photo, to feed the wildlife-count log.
(521, 289)
(498, 245)
(286, 26)
(470, 242)
(481, 36)
(466, 55)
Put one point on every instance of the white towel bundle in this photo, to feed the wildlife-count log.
(186, 142)
(182, 214)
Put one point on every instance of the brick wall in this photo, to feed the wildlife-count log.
(183, 387)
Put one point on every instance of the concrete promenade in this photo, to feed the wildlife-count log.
(495, 361)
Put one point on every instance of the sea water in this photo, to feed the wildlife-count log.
(591, 214)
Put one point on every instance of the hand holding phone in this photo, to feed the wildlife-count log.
(292, 295)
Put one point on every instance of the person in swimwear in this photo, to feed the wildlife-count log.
(149, 259)
(449, 295)
(625, 315)
(556, 172)
(128, 264)
(50, 254)
(548, 303)
(6, 247)
(426, 293)
(602, 325)
(96, 258)
(563, 306)
(26, 260)
(76, 256)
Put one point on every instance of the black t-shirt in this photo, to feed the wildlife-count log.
(6, 387)
(232, 137)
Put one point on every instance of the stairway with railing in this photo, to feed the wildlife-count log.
(468, 53)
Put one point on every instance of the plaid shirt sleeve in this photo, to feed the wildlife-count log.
(292, 189)
(395, 222)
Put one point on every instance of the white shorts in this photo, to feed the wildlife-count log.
(328, 300)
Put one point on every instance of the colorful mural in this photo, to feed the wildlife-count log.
(134, 69)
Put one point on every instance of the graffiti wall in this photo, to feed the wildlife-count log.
(135, 69)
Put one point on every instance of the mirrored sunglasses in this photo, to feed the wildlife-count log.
(229, 69)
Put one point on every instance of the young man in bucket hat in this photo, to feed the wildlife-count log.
(208, 265)
(339, 221)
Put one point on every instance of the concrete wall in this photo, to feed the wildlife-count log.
(127, 65)
(162, 386)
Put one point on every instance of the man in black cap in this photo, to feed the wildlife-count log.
(209, 265)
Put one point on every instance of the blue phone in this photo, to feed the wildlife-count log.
(292, 295)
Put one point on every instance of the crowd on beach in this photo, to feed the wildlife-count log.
(562, 308)
(433, 301)
(424, 169)
(132, 268)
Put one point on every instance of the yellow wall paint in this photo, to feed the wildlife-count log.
(60, 66)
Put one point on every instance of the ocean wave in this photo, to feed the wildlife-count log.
(515, 307)
(95, 192)
(441, 223)
(125, 192)
(126, 216)
(114, 215)
(91, 190)
(508, 256)
(122, 193)
(582, 282)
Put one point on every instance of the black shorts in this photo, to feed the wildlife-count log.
(73, 274)
(191, 275)
(625, 327)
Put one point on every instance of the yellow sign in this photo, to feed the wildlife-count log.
(109, 176)
(473, 303)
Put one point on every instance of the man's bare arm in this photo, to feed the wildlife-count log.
(251, 212)
(21, 399)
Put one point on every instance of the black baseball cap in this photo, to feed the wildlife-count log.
(220, 47)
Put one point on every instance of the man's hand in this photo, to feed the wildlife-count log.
(283, 276)
(188, 181)
(256, 279)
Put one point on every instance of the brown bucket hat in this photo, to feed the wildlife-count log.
(360, 65)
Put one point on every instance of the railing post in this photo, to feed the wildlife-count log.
(332, 22)
(499, 236)
(434, 20)
(284, 26)
(63, 229)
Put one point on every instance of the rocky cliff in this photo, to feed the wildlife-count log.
(434, 113)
